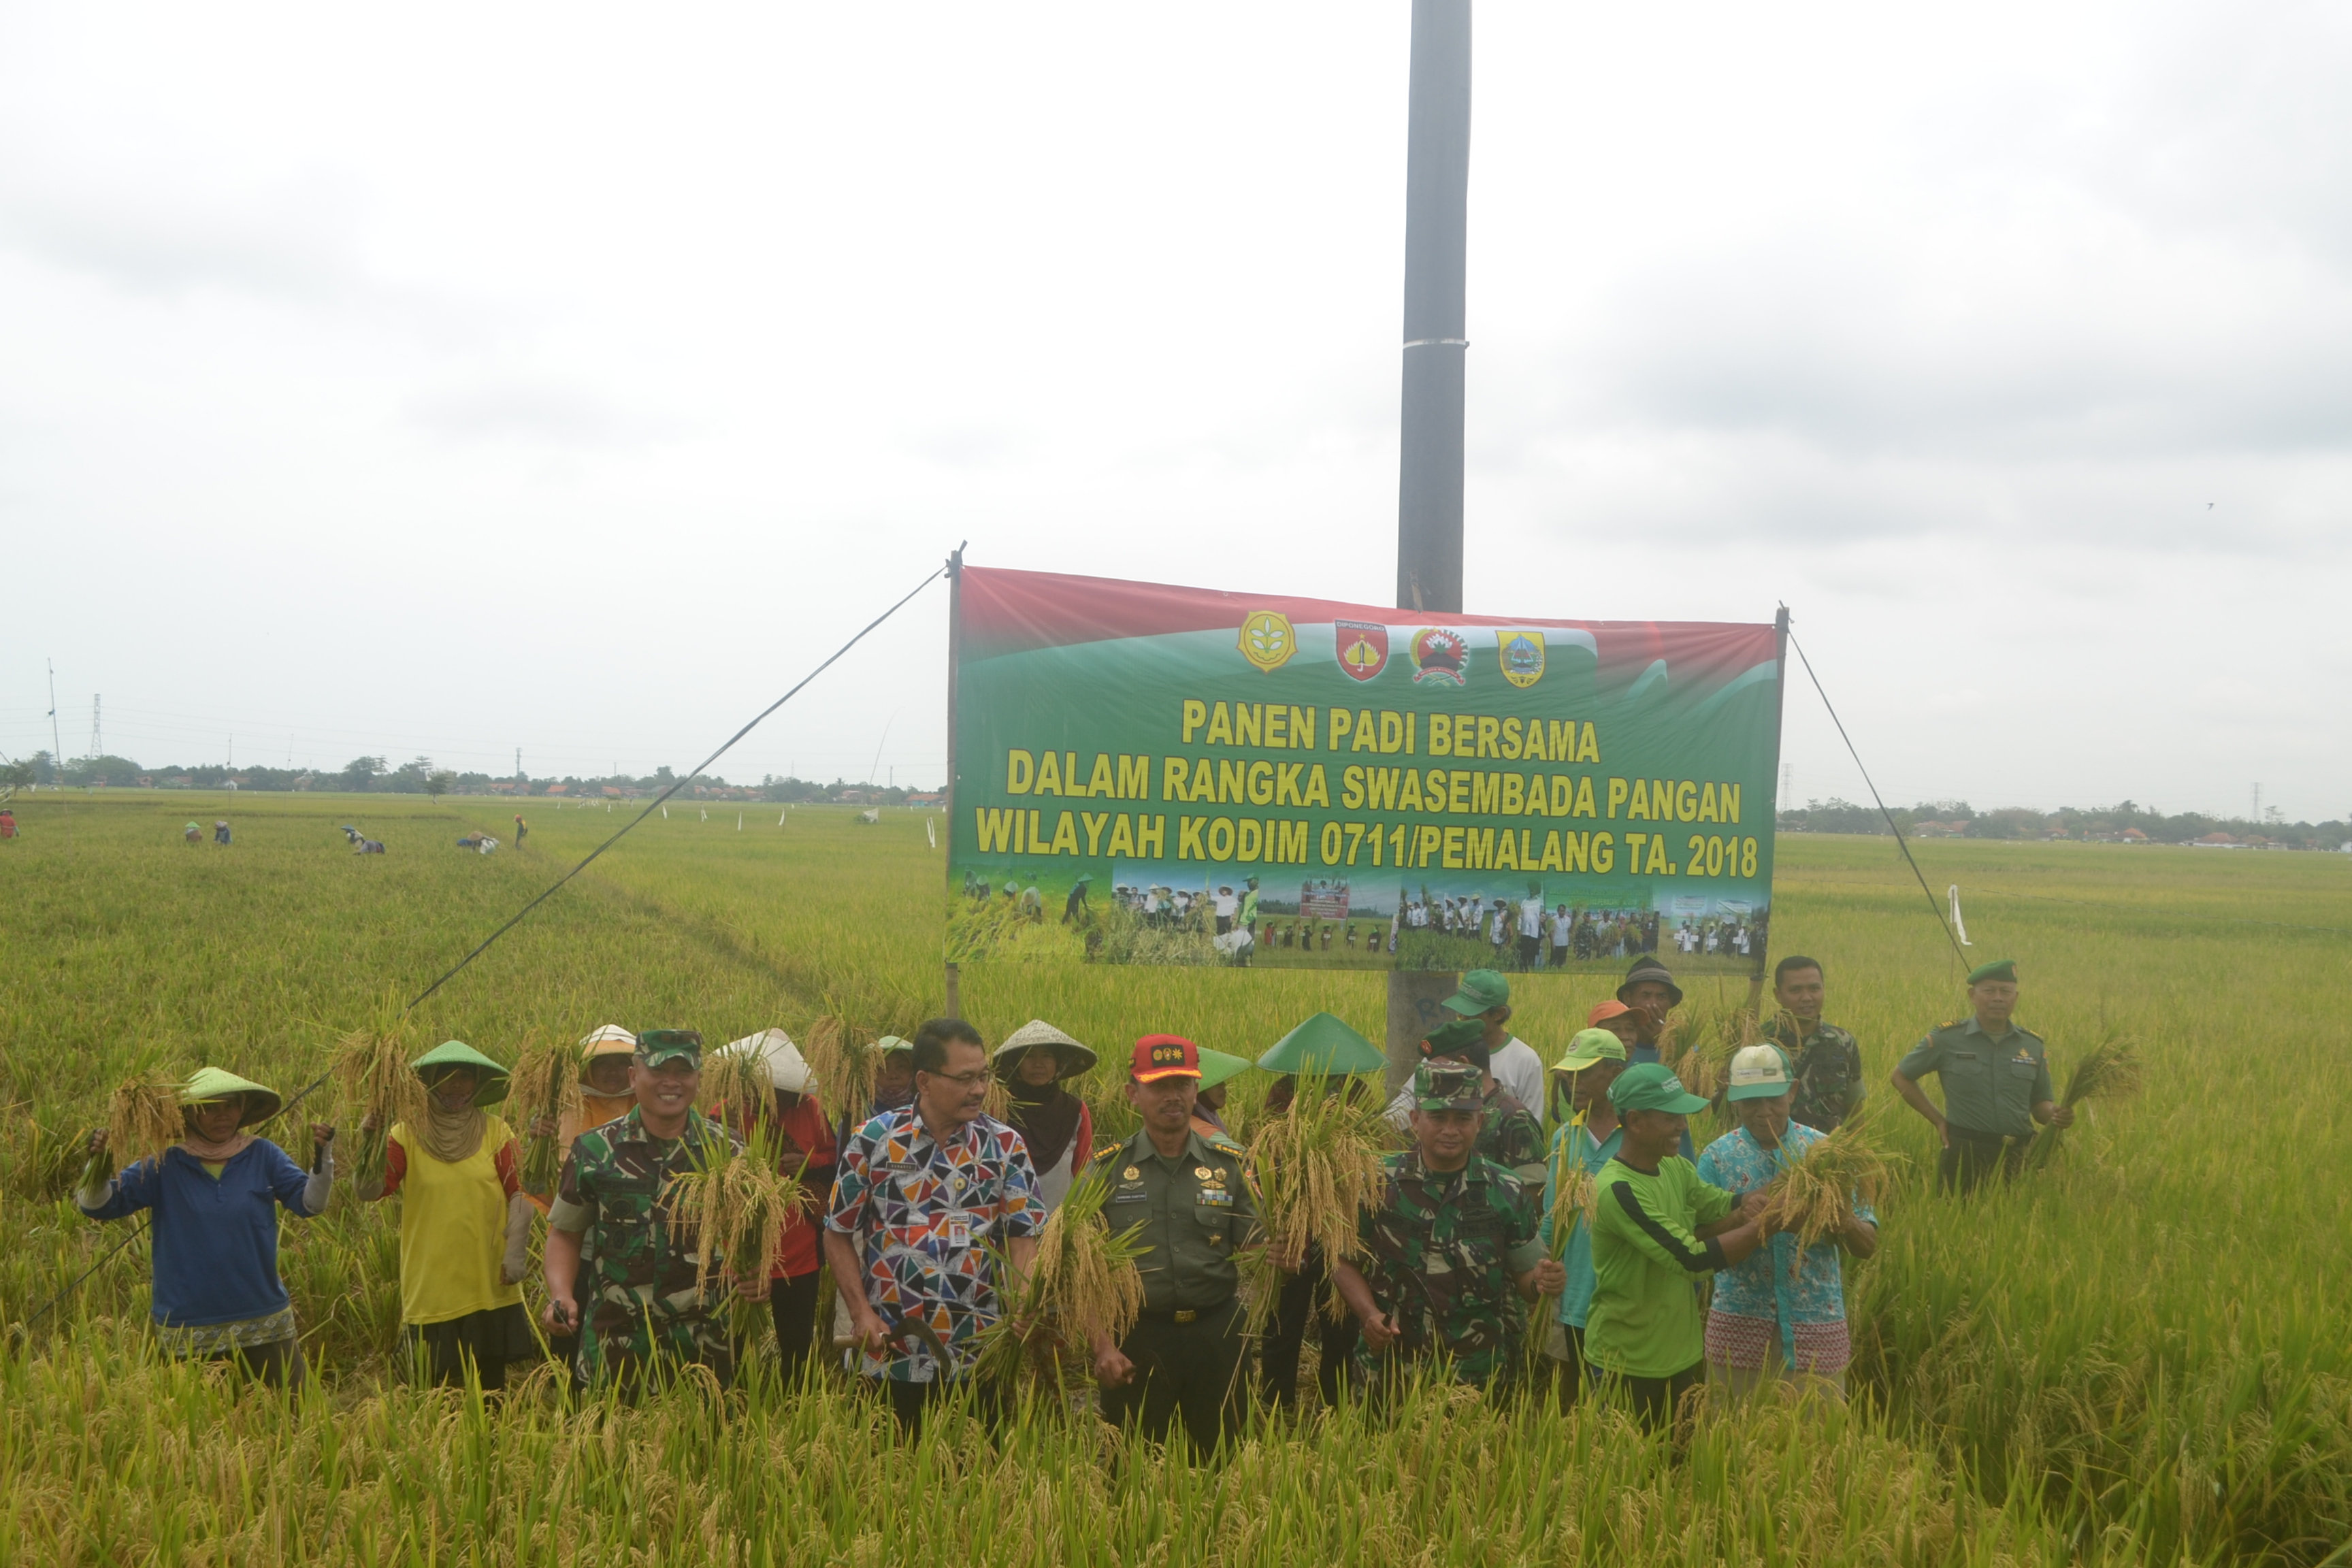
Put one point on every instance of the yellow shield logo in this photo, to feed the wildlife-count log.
(1267, 640)
(1523, 657)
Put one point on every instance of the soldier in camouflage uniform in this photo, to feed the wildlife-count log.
(648, 1311)
(1508, 1133)
(1453, 1237)
(1828, 1060)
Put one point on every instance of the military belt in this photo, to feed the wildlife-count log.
(1184, 1314)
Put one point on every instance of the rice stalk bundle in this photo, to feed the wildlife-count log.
(545, 1087)
(371, 1069)
(845, 1064)
(1317, 1168)
(2112, 1069)
(1573, 1195)
(732, 1211)
(144, 1119)
(1081, 1280)
(736, 1089)
(1813, 1194)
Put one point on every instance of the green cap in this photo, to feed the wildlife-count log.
(659, 1045)
(1998, 969)
(1652, 1086)
(1447, 1039)
(1325, 1044)
(1481, 989)
(1588, 1047)
(207, 1084)
(491, 1077)
(1439, 1087)
(1216, 1067)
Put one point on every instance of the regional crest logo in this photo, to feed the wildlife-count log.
(1523, 657)
(1363, 648)
(1439, 656)
(1267, 640)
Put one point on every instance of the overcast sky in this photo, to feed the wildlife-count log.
(445, 380)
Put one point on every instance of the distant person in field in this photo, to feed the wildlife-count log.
(8, 822)
(1035, 1061)
(1531, 924)
(523, 830)
(1828, 1060)
(220, 833)
(1074, 909)
(1996, 1079)
(214, 1197)
(465, 1224)
(194, 833)
(351, 834)
(1227, 905)
(368, 846)
(932, 1205)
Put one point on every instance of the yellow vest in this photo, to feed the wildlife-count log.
(453, 1231)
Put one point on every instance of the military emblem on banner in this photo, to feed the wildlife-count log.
(1362, 646)
(1523, 657)
(1440, 656)
(1267, 640)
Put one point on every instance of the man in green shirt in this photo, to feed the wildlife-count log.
(1656, 1228)
(1996, 1080)
(1182, 1360)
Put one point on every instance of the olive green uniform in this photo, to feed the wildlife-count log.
(1992, 1084)
(1196, 1212)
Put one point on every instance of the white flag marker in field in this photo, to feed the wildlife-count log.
(1956, 924)
(931, 832)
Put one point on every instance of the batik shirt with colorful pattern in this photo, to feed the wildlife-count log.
(1444, 1251)
(926, 1215)
(1775, 1282)
(642, 1299)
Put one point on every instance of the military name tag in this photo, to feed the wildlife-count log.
(1135, 1197)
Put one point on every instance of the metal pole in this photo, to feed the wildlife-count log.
(1779, 716)
(955, 671)
(1436, 343)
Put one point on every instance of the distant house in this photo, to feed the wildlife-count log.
(502, 786)
(2054, 833)
(2134, 835)
(1934, 830)
(612, 792)
(932, 799)
(2216, 841)
(559, 789)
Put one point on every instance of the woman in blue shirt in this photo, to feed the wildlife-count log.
(214, 1196)
(1782, 1313)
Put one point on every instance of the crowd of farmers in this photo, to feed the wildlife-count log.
(926, 1209)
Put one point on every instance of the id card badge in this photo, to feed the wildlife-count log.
(958, 1231)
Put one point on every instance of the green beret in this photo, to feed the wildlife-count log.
(1998, 969)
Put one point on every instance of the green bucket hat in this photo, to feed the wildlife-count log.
(1590, 1048)
(1216, 1067)
(1441, 1086)
(206, 1084)
(1482, 989)
(1325, 1044)
(1998, 969)
(491, 1078)
(1652, 1086)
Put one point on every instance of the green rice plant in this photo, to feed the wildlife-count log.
(545, 1087)
(1316, 1169)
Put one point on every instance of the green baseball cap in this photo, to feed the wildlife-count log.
(1590, 1048)
(489, 1077)
(658, 1046)
(1652, 1086)
(1216, 1067)
(208, 1084)
(1325, 1044)
(1482, 989)
(1437, 1086)
(1998, 969)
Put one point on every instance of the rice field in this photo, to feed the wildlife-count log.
(2142, 1353)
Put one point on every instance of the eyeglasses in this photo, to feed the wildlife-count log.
(960, 1079)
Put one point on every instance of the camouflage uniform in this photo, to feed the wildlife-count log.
(643, 1305)
(1509, 1135)
(1442, 1251)
(1828, 1067)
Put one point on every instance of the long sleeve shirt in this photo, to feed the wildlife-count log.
(215, 1246)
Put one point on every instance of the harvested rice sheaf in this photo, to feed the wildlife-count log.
(732, 1213)
(546, 1085)
(1316, 1168)
(2110, 1070)
(144, 1119)
(372, 1070)
(1813, 1195)
(1082, 1280)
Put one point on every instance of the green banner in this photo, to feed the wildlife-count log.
(1153, 775)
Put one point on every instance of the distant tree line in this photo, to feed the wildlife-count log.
(2127, 821)
(421, 775)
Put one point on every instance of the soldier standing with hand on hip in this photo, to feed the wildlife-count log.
(1996, 1080)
